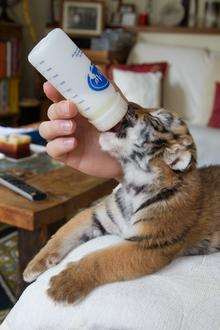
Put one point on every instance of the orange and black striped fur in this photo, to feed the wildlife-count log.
(163, 208)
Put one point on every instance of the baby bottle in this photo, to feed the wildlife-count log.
(65, 66)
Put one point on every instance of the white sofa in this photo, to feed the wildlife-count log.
(183, 296)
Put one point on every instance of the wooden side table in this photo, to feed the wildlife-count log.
(68, 191)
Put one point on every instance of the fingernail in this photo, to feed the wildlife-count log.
(69, 143)
(45, 84)
(65, 107)
(66, 126)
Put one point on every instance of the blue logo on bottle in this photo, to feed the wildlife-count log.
(96, 80)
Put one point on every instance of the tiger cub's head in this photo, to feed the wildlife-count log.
(144, 135)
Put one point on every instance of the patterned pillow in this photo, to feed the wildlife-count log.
(215, 118)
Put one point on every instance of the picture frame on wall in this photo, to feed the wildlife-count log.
(83, 18)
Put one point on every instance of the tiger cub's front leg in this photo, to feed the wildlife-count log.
(124, 261)
(79, 229)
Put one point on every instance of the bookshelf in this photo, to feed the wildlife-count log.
(10, 60)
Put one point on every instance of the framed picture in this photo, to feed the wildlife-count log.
(83, 17)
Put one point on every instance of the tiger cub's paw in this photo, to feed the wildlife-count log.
(70, 285)
(38, 265)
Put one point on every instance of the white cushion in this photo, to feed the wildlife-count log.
(207, 140)
(190, 83)
(142, 88)
(183, 295)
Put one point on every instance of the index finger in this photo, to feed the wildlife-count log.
(62, 110)
(52, 93)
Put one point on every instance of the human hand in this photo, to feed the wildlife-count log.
(73, 140)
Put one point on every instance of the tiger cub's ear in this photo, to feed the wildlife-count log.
(180, 154)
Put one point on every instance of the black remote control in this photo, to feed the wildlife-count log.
(22, 188)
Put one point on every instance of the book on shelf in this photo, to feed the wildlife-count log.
(9, 96)
(9, 73)
(9, 58)
(14, 96)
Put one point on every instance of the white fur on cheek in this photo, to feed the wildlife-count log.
(106, 141)
(111, 144)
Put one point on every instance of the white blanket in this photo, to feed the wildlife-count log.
(183, 296)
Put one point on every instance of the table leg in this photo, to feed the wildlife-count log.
(29, 243)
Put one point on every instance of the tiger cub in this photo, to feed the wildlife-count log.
(163, 208)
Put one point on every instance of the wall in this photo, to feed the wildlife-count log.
(210, 42)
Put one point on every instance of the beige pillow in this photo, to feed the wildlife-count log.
(143, 88)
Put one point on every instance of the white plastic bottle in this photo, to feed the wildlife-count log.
(65, 66)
